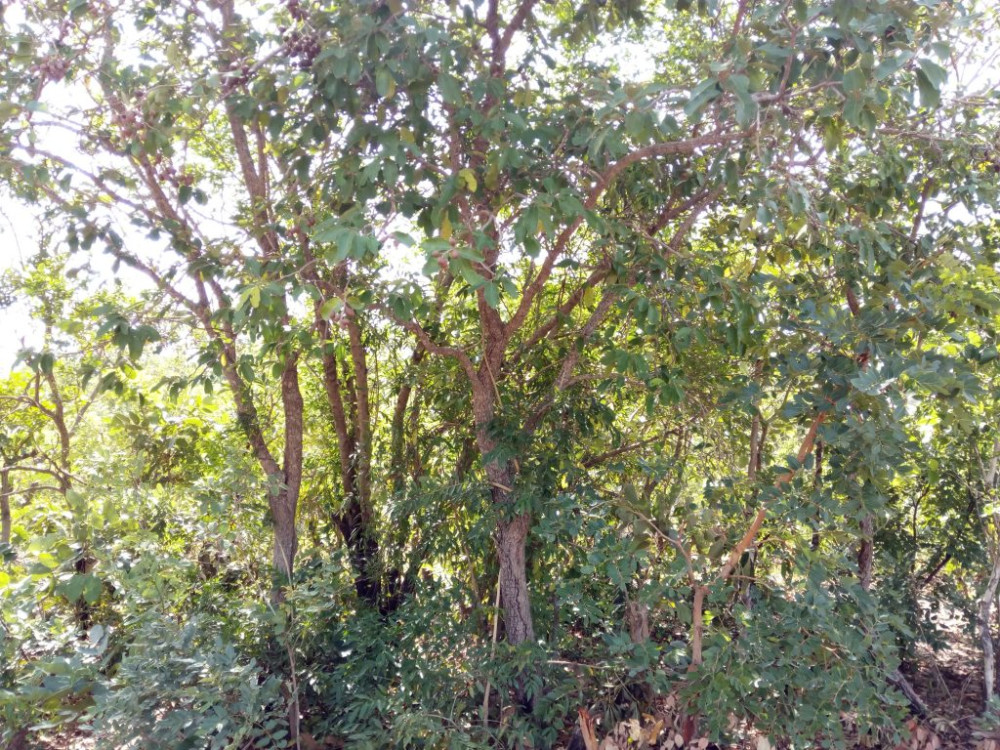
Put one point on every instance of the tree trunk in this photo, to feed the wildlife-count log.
(284, 502)
(352, 424)
(286, 541)
(866, 553)
(637, 617)
(989, 490)
(985, 634)
(6, 488)
(512, 530)
(511, 534)
(514, 600)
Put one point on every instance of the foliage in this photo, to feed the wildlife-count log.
(564, 355)
(185, 687)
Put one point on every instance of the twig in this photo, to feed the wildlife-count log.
(493, 650)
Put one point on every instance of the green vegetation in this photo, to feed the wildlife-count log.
(416, 374)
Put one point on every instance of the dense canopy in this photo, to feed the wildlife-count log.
(498, 373)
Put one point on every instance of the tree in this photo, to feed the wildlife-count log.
(673, 317)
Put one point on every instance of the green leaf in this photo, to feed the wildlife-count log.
(701, 95)
(854, 80)
(331, 307)
(930, 96)
(468, 177)
(84, 586)
(467, 272)
(404, 239)
(385, 83)
(890, 65)
(46, 362)
(936, 75)
(492, 294)
(77, 8)
(451, 89)
(91, 589)
(135, 346)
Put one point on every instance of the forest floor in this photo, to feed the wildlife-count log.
(950, 680)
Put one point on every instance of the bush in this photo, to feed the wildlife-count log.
(184, 686)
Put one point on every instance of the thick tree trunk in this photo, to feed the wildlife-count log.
(511, 534)
(514, 599)
(512, 530)
(286, 541)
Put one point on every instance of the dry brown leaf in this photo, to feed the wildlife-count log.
(587, 731)
(651, 732)
(632, 729)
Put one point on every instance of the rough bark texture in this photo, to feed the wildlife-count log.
(637, 617)
(512, 531)
(514, 600)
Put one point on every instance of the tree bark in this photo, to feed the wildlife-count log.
(637, 618)
(397, 449)
(866, 552)
(985, 634)
(515, 602)
(512, 530)
(355, 521)
(989, 474)
(284, 502)
(6, 488)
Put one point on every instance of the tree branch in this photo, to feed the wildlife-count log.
(751, 533)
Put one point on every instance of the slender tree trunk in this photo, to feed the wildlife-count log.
(637, 618)
(866, 552)
(6, 488)
(284, 502)
(817, 483)
(286, 541)
(986, 600)
(988, 473)
(352, 424)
